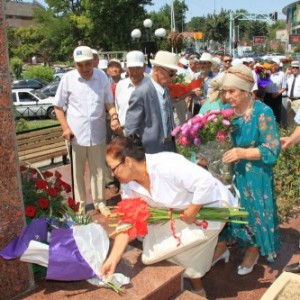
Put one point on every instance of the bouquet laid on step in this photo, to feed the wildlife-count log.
(208, 137)
(58, 240)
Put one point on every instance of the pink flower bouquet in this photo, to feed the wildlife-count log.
(208, 136)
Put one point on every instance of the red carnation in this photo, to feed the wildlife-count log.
(41, 184)
(57, 174)
(43, 203)
(66, 187)
(52, 192)
(23, 168)
(58, 184)
(73, 204)
(33, 171)
(30, 211)
(47, 174)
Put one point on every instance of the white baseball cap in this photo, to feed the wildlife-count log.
(103, 64)
(275, 60)
(82, 53)
(135, 59)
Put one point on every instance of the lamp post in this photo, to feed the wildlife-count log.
(149, 47)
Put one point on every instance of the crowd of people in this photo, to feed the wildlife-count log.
(119, 119)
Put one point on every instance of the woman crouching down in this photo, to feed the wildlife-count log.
(167, 180)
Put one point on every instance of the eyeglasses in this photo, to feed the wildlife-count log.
(228, 60)
(171, 73)
(117, 166)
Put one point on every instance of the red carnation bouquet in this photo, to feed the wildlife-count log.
(134, 214)
(182, 85)
(46, 195)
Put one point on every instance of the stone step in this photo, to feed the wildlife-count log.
(158, 281)
(187, 295)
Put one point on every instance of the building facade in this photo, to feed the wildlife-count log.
(20, 14)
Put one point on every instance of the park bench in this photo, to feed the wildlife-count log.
(42, 144)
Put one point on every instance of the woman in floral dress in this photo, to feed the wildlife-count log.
(256, 149)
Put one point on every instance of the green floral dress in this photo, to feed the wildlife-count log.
(254, 180)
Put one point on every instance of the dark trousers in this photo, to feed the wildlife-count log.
(275, 104)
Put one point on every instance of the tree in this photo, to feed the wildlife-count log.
(16, 65)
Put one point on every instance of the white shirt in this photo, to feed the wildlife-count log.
(296, 88)
(124, 90)
(278, 81)
(176, 182)
(85, 101)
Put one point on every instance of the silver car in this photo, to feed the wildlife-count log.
(28, 104)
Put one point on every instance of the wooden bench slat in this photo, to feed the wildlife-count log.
(41, 145)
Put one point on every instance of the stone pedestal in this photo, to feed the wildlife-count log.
(15, 277)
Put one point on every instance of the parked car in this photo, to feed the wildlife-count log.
(48, 90)
(31, 83)
(58, 76)
(28, 104)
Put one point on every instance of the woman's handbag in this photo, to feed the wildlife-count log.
(160, 243)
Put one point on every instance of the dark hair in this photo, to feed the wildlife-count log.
(131, 146)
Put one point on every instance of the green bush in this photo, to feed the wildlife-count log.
(39, 72)
(286, 175)
(16, 65)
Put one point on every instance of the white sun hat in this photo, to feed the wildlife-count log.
(166, 59)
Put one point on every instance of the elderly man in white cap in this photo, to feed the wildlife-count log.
(135, 62)
(150, 111)
(86, 94)
(274, 90)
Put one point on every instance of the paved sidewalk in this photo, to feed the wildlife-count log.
(222, 281)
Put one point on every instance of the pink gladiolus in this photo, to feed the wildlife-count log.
(225, 122)
(183, 140)
(211, 117)
(227, 113)
(221, 136)
(196, 141)
(176, 130)
(197, 119)
(215, 111)
(185, 131)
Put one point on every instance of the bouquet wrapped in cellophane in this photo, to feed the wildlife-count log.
(134, 214)
(208, 137)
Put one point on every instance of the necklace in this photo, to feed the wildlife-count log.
(247, 110)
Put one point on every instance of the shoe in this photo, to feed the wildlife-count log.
(225, 256)
(293, 268)
(244, 270)
(201, 292)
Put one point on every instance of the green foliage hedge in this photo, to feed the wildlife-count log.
(39, 72)
(286, 176)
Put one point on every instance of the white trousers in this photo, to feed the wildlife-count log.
(197, 260)
(95, 156)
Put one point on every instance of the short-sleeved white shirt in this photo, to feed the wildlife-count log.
(176, 182)
(124, 90)
(84, 101)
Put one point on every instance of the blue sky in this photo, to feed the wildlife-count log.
(204, 7)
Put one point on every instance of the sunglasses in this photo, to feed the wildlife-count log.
(228, 60)
(171, 73)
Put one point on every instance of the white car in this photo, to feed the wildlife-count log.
(28, 104)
